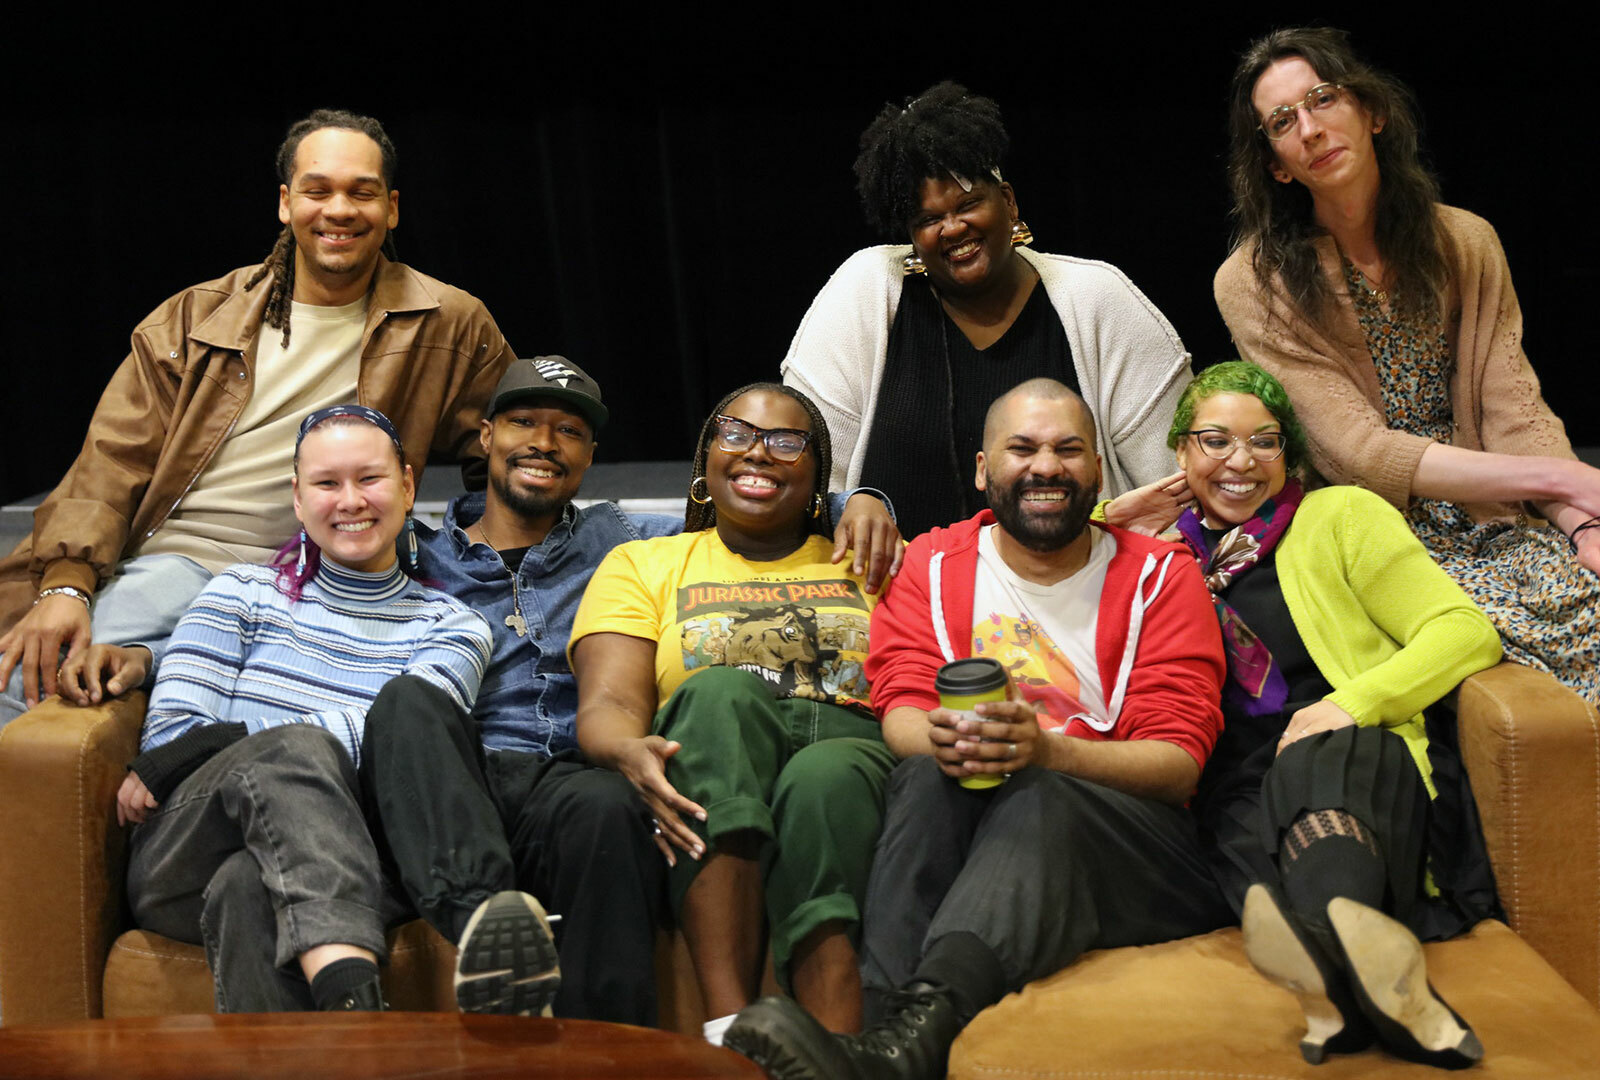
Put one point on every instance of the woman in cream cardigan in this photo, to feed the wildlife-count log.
(1392, 321)
(905, 346)
(1330, 822)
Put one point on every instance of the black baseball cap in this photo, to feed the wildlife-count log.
(552, 377)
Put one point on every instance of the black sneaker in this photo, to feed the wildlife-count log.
(506, 962)
(1287, 952)
(912, 1043)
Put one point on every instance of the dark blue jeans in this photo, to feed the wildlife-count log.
(261, 854)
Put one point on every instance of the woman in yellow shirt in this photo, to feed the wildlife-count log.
(721, 672)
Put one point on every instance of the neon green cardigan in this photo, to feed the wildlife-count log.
(1388, 629)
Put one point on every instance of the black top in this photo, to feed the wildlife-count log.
(1249, 743)
(936, 390)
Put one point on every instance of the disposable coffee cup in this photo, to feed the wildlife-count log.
(962, 684)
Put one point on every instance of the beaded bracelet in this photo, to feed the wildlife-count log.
(62, 590)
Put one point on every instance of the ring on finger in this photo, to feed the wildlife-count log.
(1011, 751)
(656, 822)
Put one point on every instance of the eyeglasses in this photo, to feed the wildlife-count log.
(1262, 446)
(1282, 120)
(736, 436)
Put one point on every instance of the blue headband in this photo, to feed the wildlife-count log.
(360, 412)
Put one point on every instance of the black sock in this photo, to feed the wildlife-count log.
(340, 977)
(1329, 853)
(965, 965)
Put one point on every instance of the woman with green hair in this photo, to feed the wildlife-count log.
(1333, 825)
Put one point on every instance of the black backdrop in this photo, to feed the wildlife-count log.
(660, 199)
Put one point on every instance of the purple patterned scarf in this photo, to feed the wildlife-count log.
(1255, 684)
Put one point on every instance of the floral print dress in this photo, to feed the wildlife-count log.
(1545, 603)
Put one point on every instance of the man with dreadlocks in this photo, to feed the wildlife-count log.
(905, 346)
(181, 473)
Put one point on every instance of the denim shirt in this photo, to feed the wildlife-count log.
(529, 698)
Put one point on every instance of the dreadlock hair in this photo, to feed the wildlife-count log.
(697, 516)
(944, 129)
(1278, 219)
(280, 261)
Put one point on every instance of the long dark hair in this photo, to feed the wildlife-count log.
(1277, 218)
(697, 516)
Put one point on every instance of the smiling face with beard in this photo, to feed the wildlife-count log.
(1039, 467)
(1042, 513)
(538, 451)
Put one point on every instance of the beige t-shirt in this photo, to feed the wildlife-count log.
(240, 508)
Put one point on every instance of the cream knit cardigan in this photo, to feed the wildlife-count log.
(1131, 365)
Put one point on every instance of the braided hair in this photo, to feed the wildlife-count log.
(944, 129)
(698, 516)
(279, 262)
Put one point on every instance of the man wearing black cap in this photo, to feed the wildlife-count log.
(464, 824)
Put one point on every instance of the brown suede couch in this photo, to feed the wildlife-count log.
(1191, 1008)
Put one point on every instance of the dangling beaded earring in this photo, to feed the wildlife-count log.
(300, 564)
(912, 265)
(411, 540)
(1021, 235)
(695, 498)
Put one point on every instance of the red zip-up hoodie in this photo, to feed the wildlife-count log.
(1156, 639)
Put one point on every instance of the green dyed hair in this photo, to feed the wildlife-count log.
(1243, 377)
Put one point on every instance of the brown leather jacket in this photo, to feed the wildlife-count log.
(430, 357)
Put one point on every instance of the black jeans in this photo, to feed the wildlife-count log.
(455, 826)
(1041, 869)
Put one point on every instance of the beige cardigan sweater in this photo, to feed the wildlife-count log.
(1329, 374)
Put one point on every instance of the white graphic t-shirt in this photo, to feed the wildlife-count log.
(1043, 635)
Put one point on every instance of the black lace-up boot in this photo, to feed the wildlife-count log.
(912, 1043)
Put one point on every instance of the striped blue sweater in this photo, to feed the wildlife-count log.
(243, 653)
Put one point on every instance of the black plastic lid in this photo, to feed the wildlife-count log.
(974, 676)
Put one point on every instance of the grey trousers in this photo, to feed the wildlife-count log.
(1041, 869)
(261, 854)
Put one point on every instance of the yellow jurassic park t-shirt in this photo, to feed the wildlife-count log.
(799, 622)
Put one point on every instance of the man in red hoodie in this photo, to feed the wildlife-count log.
(1116, 667)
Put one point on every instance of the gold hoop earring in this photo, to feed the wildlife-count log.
(1021, 235)
(694, 498)
(912, 265)
(816, 504)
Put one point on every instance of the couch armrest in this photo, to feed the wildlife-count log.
(1531, 747)
(62, 855)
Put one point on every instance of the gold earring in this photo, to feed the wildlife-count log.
(1021, 235)
(913, 264)
(696, 499)
(816, 504)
